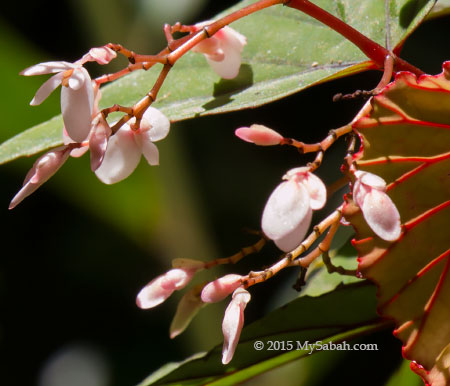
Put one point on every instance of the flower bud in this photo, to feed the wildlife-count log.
(233, 322)
(259, 135)
(219, 289)
(380, 213)
(160, 288)
(42, 170)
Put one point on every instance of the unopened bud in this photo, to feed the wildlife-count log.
(259, 135)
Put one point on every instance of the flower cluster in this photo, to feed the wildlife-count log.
(160, 288)
(116, 150)
(114, 155)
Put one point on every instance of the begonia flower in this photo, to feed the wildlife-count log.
(288, 211)
(259, 135)
(220, 288)
(160, 288)
(44, 167)
(222, 50)
(101, 55)
(126, 146)
(77, 94)
(380, 213)
(233, 322)
(189, 305)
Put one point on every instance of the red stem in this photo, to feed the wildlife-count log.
(371, 49)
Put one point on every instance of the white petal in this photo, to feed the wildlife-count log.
(159, 124)
(229, 67)
(381, 215)
(292, 239)
(360, 191)
(316, 189)
(98, 142)
(121, 158)
(78, 77)
(47, 68)
(285, 210)
(76, 107)
(233, 322)
(150, 152)
(46, 89)
(232, 44)
(233, 39)
(371, 180)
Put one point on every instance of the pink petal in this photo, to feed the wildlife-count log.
(189, 305)
(233, 322)
(177, 278)
(98, 141)
(46, 89)
(381, 215)
(44, 167)
(157, 123)
(286, 211)
(47, 68)
(153, 294)
(259, 135)
(121, 158)
(101, 55)
(160, 288)
(317, 191)
(76, 107)
(219, 289)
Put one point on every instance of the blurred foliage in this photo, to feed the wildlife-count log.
(75, 255)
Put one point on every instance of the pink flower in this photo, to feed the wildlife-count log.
(44, 167)
(101, 55)
(160, 288)
(259, 135)
(125, 147)
(77, 94)
(380, 213)
(223, 50)
(288, 211)
(219, 289)
(233, 322)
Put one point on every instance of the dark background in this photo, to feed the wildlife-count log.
(75, 254)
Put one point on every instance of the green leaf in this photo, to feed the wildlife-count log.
(328, 318)
(281, 58)
(406, 140)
